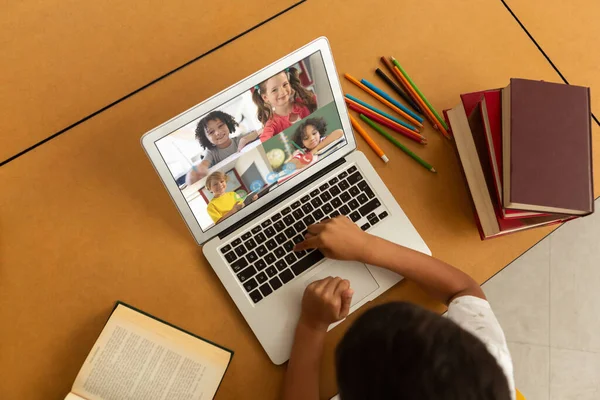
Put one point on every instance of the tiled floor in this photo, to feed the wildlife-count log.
(548, 302)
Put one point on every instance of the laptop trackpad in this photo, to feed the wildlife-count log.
(361, 280)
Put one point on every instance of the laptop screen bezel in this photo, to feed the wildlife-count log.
(150, 138)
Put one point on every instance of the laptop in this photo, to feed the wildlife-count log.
(250, 248)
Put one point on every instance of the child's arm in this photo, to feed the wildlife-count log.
(244, 140)
(324, 302)
(237, 207)
(197, 172)
(333, 136)
(339, 238)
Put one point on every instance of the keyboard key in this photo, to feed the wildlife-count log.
(323, 187)
(300, 253)
(353, 204)
(261, 250)
(266, 289)
(308, 220)
(275, 283)
(334, 191)
(316, 202)
(383, 215)
(354, 191)
(246, 274)
(351, 169)
(345, 197)
(271, 244)
(250, 285)
(369, 193)
(236, 242)
(260, 265)
(297, 239)
(307, 208)
(355, 216)
(289, 220)
(325, 196)
(286, 211)
(225, 249)
(279, 226)
(304, 199)
(295, 205)
(299, 226)
(246, 235)
(271, 271)
(298, 213)
(371, 215)
(365, 226)
(280, 239)
(290, 232)
(314, 193)
(373, 220)
(307, 262)
(240, 250)
(260, 238)
(261, 278)
(327, 208)
(362, 198)
(251, 257)
(250, 244)
(270, 232)
(239, 265)
(343, 175)
(281, 265)
(276, 217)
(355, 178)
(336, 203)
(370, 206)
(230, 257)
(256, 296)
(344, 210)
(333, 181)
(334, 214)
(270, 258)
(318, 215)
(286, 276)
(256, 229)
(280, 252)
(289, 246)
(266, 223)
(343, 185)
(290, 258)
(363, 185)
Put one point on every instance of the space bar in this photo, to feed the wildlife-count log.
(307, 262)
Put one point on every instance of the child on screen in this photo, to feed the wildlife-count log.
(223, 203)
(282, 100)
(312, 135)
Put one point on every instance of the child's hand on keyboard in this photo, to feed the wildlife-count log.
(325, 301)
(337, 238)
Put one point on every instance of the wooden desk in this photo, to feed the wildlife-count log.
(67, 59)
(86, 221)
(568, 32)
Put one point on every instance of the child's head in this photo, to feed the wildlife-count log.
(279, 90)
(400, 350)
(216, 183)
(214, 129)
(308, 135)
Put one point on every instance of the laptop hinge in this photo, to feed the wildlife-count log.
(281, 197)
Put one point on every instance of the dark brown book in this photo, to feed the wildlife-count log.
(547, 147)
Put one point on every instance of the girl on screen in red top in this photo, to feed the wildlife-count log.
(282, 100)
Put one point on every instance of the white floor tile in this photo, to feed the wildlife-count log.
(574, 375)
(519, 296)
(532, 369)
(574, 284)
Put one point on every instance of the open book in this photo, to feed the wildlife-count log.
(138, 356)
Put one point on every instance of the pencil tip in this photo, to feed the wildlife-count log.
(433, 170)
(385, 159)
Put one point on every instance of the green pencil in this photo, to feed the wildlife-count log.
(397, 143)
(437, 116)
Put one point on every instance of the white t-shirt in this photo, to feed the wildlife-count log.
(476, 316)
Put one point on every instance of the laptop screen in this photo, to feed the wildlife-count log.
(236, 153)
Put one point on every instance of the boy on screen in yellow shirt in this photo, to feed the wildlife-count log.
(223, 203)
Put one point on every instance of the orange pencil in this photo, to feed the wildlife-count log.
(384, 101)
(386, 121)
(390, 67)
(422, 104)
(368, 139)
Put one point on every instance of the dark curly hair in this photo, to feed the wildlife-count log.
(318, 123)
(213, 116)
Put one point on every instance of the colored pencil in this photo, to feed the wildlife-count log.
(428, 113)
(378, 111)
(390, 99)
(368, 139)
(384, 101)
(437, 116)
(402, 83)
(398, 144)
(298, 147)
(398, 90)
(384, 121)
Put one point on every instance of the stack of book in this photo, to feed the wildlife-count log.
(526, 154)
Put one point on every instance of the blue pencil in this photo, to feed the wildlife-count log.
(390, 99)
(370, 107)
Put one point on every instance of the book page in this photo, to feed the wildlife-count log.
(139, 358)
(72, 396)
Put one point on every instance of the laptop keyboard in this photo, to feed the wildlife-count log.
(263, 258)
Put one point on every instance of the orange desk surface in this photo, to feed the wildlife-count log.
(86, 221)
(64, 60)
(569, 33)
